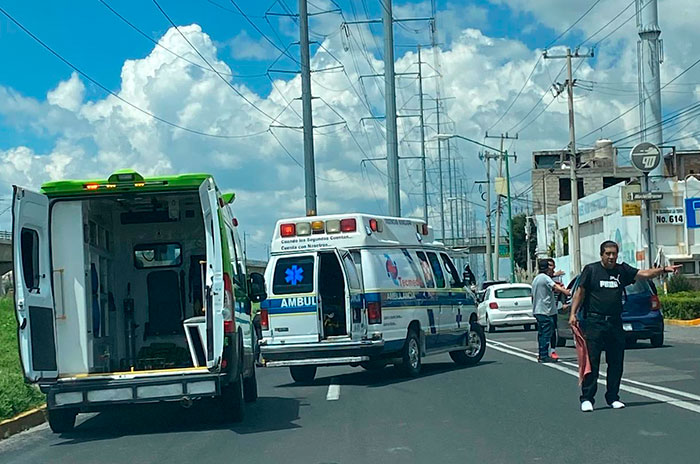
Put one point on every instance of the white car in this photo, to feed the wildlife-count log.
(507, 305)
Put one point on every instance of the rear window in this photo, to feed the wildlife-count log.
(639, 286)
(515, 292)
(293, 275)
(157, 255)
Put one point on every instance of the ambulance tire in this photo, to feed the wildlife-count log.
(250, 387)
(303, 374)
(470, 357)
(62, 420)
(232, 399)
(410, 356)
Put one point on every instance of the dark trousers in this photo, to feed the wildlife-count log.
(258, 336)
(544, 334)
(608, 336)
(555, 335)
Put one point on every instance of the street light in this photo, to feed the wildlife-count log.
(504, 153)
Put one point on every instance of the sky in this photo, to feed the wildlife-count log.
(123, 88)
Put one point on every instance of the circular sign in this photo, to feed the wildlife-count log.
(645, 156)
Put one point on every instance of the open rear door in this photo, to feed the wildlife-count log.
(354, 296)
(214, 281)
(33, 297)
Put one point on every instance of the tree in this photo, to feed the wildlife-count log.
(520, 248)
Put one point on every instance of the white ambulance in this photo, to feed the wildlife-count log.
(364, 290)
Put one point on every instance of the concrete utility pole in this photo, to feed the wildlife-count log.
(528, 230)
(309, 163)
(649, 58)
(450, 190)
(498, 198)
(574, 238)
(489, 250)
(422, 137)
(392, 144)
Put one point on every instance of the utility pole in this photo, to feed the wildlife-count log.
(442, 193)
(422, 137)
(309, 163)
(489, 251)
(501, 157)
(574, 239)
(451, 192)
(392, 145)
(528, 231)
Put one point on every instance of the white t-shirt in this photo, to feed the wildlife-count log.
(543, 301)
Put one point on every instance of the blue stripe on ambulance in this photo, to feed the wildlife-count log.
(290, 305)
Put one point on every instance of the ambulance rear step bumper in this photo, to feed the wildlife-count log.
(317, 361)
(322, 353)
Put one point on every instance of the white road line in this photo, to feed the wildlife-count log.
(671, 391)
(333, 391)
(574, 372)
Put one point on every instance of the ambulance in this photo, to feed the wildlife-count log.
(364, 290)
(133, 290)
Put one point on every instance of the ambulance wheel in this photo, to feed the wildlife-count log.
(476, 349)
(250, 387)
(303, 374)
(232, 399)
(410, 356)
(62, 420)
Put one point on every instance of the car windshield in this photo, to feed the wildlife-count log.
(514, 292)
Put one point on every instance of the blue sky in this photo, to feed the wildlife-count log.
(56, 124)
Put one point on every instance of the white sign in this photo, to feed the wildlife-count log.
(670, 216)
(645, 156)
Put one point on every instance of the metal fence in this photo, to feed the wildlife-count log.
(4, 235)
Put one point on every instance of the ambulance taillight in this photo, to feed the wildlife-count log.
(348, 225)
(264, 320)
(374, 312)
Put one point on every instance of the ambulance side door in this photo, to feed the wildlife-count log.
(33, 293)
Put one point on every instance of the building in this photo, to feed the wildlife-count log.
(684, 163)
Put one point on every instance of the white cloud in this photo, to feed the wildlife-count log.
(68, 94)
(244, 47)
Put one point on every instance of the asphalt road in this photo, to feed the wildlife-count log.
(508, 409)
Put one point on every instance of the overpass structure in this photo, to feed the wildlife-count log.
(472, 245)
(5, 252)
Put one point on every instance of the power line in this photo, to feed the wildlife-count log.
(117, 96)
(518, 95)
(239, 93)
(574, 24)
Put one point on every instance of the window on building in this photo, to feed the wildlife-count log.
(565, 189)
(687, 267)
(610, 181)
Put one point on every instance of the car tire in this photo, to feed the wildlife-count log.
(250, 387)
(471, 356)
(232, 400)
(657, 340)
(62, 420)
(527, 327)
(411, 356)
(489, 327)
(303, 374)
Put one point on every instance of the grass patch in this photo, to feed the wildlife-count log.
(15, 395)
(683, 305)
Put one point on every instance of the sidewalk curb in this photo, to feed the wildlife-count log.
(692, 322)
(22, 422)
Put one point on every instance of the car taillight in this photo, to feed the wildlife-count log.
(264, 320)
(229, 327)
(374, 312)
(493, 305)
(655, 303)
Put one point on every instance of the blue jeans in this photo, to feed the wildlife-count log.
(545, 328)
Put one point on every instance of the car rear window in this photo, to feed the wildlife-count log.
(293, 275)
(515, 292)
(639, 286)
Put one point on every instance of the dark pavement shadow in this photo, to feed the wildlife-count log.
(266, 414)
(634, 404)
(645, 346)
(387, 376)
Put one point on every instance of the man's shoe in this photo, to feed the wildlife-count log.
(547, 360)
(617, 405)
(586, 406)
(554, 355)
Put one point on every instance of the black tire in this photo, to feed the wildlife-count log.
(411, 356)
(527, 327)
(473, 355)
(250, 387)
(62, 420)
(490, 327)
(232, 399)
(303, 374)
(373, 365)
(657, 340)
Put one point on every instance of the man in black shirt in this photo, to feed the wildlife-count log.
(599, 293)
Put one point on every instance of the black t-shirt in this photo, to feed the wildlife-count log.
(604, 287)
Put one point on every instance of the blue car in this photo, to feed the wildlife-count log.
(642, 317)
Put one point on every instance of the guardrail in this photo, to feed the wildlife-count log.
(5, 235)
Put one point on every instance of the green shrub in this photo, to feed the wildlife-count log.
(15, 395)
(679, 283)
(683, 305)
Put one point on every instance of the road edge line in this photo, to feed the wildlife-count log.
(684, 323)
(22, 422)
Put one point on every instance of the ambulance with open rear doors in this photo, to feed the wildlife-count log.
(364, 290)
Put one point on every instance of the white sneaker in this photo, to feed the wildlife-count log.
(587, 406)
(617, 405)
